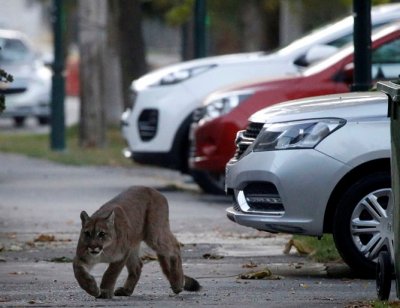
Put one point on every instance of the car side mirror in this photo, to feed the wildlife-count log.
(319, 52)
(345, 75)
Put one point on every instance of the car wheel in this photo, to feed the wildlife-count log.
(211, 183)
(43, 120)
(362, 222)
(19, 121)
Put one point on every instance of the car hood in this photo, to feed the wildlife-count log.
(153, 77)
(349, 106)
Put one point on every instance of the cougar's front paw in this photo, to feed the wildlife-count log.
(104, 293)
(122, 292)
(93, 290)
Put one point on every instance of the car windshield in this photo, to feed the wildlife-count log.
(13, 50)
(315, 35)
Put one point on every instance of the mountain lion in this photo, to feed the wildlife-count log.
(113, 235)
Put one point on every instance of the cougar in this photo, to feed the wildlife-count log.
(113, 235)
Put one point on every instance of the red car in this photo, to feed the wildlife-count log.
(227, 111)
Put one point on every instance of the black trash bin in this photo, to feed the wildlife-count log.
(390, 259)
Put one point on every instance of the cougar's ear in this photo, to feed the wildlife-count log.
(84, 217)
(110, 218)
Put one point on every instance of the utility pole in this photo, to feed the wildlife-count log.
(362, 79)
(57, 133)
(200, 32)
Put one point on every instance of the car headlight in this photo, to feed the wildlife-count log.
(295, 135)
(224, 104)
(181, 75)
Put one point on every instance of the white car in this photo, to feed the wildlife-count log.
(314, 166)
(29, 93)
(156, 128)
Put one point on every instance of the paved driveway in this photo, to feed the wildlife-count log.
(41, 201)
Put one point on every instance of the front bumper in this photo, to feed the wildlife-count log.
(29, 103)
(212, 144)
(301, 180)
(158, 111)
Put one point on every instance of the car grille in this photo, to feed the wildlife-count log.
(247, 137)
(147, 124)
(8, 91)
(263, 197)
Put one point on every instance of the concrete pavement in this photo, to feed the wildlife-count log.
(40, 204)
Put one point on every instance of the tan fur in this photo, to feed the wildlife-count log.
(113, 235)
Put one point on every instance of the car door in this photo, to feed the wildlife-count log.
(386, 61)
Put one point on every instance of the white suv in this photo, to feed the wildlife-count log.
(29, 93)
(318, 165)
(156, 128)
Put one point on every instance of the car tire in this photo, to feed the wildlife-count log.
(356, 232)
(210, 183)
(384, 271)
(43, 120)
(19, 121)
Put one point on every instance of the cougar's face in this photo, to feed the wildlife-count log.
(97, 233)
(96, 237)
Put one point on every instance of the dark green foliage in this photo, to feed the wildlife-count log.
(4, 79)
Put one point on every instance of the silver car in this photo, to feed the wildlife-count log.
(29, 94)
(314, 166)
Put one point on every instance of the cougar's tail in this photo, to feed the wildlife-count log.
(191, 284)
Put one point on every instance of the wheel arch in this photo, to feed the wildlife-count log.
(378, 165)
(181, 144)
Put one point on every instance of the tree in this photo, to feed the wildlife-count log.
(127, 19)
(112, 54)
(92, 44)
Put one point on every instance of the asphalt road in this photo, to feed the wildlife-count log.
(40, 204)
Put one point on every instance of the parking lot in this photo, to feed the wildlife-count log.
(39, 225)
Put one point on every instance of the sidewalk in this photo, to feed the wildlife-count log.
(40, 199)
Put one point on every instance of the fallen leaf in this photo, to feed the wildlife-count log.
(30, 244)
(61, 260)
(300, 247)
(18, 273)
(45, 238)
(263, 274)
(148, 258)
(210, 256)
(250, 264)
(12, 235)
(15, 248)
(3, 300)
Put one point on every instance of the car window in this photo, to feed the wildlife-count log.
(13, 50)
(341, 41)
(386, 61)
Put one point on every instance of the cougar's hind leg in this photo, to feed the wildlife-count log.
(134, 266)
(172, 268)
(169, 257)
(159, 237)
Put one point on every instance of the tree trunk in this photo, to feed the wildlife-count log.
(251, 26)
(128, 16)
(92, 45)
(113, 96)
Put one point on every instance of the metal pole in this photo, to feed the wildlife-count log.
(362, 45)
(200, 13)
(57, 133)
